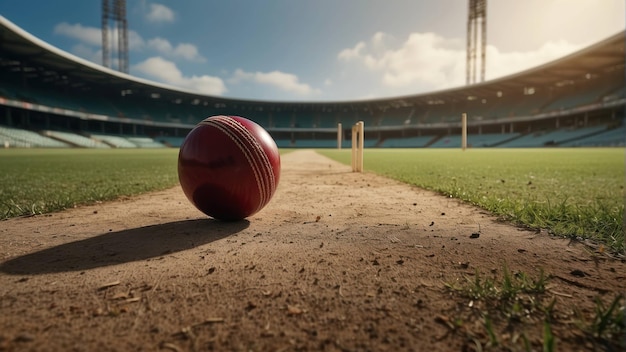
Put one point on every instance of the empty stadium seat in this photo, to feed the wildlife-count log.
(407, 142)
(15, 137)
(76, 139)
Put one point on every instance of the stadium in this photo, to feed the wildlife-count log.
(51, 98)
(514, 243)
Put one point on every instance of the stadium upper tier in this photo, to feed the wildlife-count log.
(36, 76)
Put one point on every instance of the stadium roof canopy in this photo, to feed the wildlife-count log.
(20, 50)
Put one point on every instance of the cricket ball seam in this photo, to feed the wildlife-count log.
(255, 155)
(256, 152)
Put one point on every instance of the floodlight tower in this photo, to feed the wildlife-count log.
(477, 14)
(115, 11)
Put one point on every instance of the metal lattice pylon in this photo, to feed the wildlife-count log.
(477, 14)
(115, 11)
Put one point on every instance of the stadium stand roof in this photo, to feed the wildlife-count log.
(19, 50)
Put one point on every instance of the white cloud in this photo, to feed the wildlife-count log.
(167, 72)
(353, 53)
(160, 13)
(424, 58)
(183, 50)
(86, 35)
(93, 36)
(504, 63)
(281, 80)
(428, 61)
(135, 41)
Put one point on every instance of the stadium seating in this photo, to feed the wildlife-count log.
(407, 142)
(261, 119)
(554, 137)
(618, 93)
(615, 137)
(584, 94)
(328, 121)
(51, 95)
(145, 142)
(396, 117)
(14, 137)
(283, 143)
(174, 142)
(171, 112)
(279, 119)
(114, 141)
(304, 120)
(76, 139)
(528, 105)
(453, 141)
(489, 140)
(316, 143)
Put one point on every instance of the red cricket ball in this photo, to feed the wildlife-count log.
(228, 167)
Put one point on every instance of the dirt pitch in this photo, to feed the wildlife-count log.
(337, 261)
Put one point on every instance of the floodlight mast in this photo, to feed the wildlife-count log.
(115, 11)
(477, 13)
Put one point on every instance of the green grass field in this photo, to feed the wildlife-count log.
(35, 181)
(571, 192)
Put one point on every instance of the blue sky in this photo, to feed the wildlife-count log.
(320, 50)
